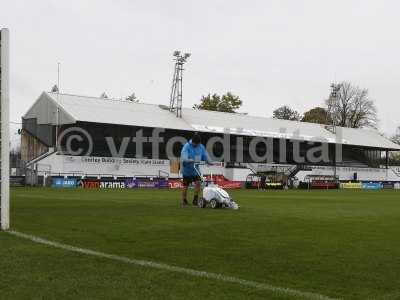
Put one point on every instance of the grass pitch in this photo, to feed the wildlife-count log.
(342, 244)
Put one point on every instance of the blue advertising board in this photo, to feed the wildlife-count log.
(64, 182)
(372, 185)
(145, 183)
(59, 182)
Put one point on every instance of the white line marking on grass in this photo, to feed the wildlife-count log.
(187, 271)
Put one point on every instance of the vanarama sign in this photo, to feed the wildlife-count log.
(112, 184)
(102, 184)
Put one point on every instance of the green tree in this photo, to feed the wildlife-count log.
(225, 103)
(286, 113)
(317, 115)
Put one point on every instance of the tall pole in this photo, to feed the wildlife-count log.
(58, 76)
(387, 159)
(57, 122)
(335, 88)
(180, 87)
(58, 108)
(5, 129)
(173, 89)
(331, 113)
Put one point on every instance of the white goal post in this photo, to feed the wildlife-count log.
(4, 132)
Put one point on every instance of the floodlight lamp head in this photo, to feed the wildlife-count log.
(186, 55)
(177, 53)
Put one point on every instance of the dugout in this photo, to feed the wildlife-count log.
(320, 182)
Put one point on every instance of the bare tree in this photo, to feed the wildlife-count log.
(396, 137)
(394, 157)
(352, 107)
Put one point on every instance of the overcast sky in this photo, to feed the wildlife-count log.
(269, 53)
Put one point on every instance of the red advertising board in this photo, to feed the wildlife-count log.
(175, 183)
(323, 185)
(230, 184)
(226, 184)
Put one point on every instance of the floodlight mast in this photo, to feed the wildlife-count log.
(175, 102)
(331, 116)
(331, 113)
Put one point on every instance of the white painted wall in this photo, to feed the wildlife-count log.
(344, 173)
(78, 165)
(347, 173)
(103, 166)
(213, 169)
(237, 174)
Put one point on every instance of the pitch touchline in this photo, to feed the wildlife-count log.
(161, 266)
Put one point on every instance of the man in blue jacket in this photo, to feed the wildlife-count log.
(192, 152)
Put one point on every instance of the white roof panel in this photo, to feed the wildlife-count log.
(203, 120)
(111, 111)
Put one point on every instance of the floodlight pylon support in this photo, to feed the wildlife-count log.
(331, 117)
(331, 113)
(175, 102)
(5, 130)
